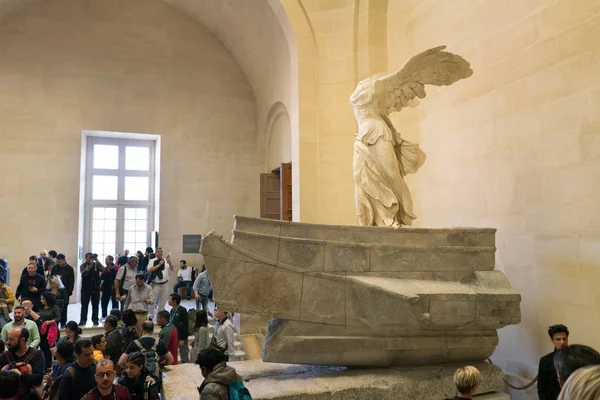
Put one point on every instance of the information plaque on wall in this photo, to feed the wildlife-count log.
(191, 243)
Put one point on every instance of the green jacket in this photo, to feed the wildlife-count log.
(179, 318)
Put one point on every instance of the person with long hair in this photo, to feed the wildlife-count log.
(64, 355)
(49, 316)
(140, 383)
(56, 287)
(72, 334)
(130, 331)
(201, 334)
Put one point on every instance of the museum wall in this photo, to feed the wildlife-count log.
(515, 147)
(138, 66)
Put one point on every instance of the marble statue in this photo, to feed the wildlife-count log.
(381, 157)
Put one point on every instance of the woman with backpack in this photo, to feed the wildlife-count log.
(201, 335)
(64, 355)
(130, 331)
(221, 382)
(140, 383)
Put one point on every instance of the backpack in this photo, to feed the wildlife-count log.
(24, 387)
(191, 321)
(152, 363)
(238, 391)
(53, 392)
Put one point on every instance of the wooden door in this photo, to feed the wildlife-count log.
(269, 196)
(286, 191)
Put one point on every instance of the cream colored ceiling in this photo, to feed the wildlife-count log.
(248, 28)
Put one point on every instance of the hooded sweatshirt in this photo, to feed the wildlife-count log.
(216, 385)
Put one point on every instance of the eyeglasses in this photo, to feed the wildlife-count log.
(103, 374)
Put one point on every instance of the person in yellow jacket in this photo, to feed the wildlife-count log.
(99, 343)
(7, 301)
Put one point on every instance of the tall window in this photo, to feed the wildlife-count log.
(120, 175)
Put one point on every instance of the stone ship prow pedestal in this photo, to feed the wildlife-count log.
(368, 297)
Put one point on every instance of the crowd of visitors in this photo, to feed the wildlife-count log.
(125, 362)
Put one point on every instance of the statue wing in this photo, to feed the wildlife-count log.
(431, 67)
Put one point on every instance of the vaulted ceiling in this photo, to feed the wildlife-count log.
(248, 28)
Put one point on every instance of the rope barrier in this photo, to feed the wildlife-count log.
(517, 387)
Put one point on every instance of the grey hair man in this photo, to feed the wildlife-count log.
(572, 358)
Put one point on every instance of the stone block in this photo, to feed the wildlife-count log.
(323, 300)
(346, 257)
(302, 253)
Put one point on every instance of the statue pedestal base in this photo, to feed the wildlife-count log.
(306, 382)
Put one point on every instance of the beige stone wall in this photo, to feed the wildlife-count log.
(515, 147)
(127, 66)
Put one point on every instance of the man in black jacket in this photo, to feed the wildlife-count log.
(67, 276)
(25, 359)
(91, 270)
(179, 318)
(548, 386)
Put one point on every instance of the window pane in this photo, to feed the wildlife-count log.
(130, 213)
(132, 248)
(129, 225)
(110, 237)
(140, 236)
(141, 225)
(136, 187)
(110, 213)
(98, 225)
(106, 157)
(97, 237)
(110, 225)
(141, 213)
(141, 246)
(98, 213)
(137, 158)
(129, 236)
(105, 187)
(97, 248)
(109, 248)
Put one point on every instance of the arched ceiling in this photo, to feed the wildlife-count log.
(249, 29)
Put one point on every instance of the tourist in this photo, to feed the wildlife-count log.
(56, 287)
(201, 334)
(10, 382)
(466, 380)
(179, 318)
(573, 357)
(115, 312)
(47, 322)
(140, 296)
(159, 278)
(583, 384)
(7, 301)
(146, 259)
(79, 378)
(140, 257)
(224, 334)
(129, 332)
(114, 340)
(184, 278)
(218, 376)
(125, 279)
(141, 384)
(108, 285)
(64, 356)
(106, 389)
(202, 290)
(52, 254)
(123, 259)
(90, 287)
(152, 348)
(168, 333)
(67, 276)
(31, 287)
(99, 345)
(33, 334)
(39, 265)
(548, 387)
(72, 333)
(23, 359)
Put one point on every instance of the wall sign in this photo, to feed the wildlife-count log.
(191, 243)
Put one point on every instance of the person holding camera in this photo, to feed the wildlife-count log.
(23, 360)
(91, 271)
